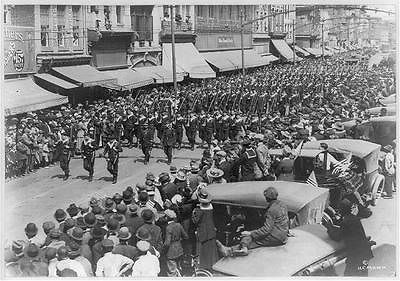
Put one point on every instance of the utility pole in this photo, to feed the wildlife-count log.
(322, 38)
(241, 40)
(294, 44)
(173, 49)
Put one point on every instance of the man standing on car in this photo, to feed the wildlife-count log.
(274, 231)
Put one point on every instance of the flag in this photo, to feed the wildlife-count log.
(343, 165)
(312, 180)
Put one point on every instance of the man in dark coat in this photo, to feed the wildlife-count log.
(178, 128)
(133, 222)
(272, 233)
(191, 127)
(248, 161)
(111, 152)
(88, 151)
(146, 141)
(168, 141)
(65, 147)
(154, 230)
(358, 245)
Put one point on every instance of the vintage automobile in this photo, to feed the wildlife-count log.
(390, 110)
(389, 100)
(384, 127)
(309, 249)
(365, 157)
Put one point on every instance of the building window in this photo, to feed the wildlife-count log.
(61, 26)
(75, 25)
(44, 25)
(119, 14)
(107, 21)
(93, 9)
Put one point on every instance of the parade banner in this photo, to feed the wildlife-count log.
(19, 50)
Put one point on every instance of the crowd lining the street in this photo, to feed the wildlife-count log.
(161, 225)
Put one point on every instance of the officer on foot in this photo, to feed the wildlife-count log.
(65, 155)
(168, 141)
(111, 152)
(88, 150)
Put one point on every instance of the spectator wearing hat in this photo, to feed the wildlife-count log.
(97, 234)
(222, 164)
(133, 222)
(284, 170)
(77, 236)
(88, 148)
(31, 231)
(73, 211)
(75, 253)
(248, 161)
(111, 152)
(273, 233)
(202, 217)
(194, 178)
(31, 265)
(147, 265)
(154, 230)
(64, 262)
(174, 234)
(215, 176)
(123, 248)
(68, 224)
(389, 169)
(55, 239)
(172, 173)
(169, 139)
(113, 227)
(60, 215)
(154, 201)
(112, 265)
(358, 245)
(127, 196)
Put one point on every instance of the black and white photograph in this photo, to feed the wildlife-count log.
(148, 139)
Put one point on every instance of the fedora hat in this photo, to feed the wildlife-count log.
(76, 233)
(170, 214)
(113, 224)
(74, 249)
(55, 233)
(90, 219)
(93, 202)
(181, 176)
(117, 198)
(127, 196)
(32, 250)
(147, 215)
(133, 208)
(109, 204)
(119, 217)
(60, 215)
(338, 126)
(214, 173)
(143, 234)
(31, 229)
(101, 221)
(121, 208)
(204, 196)
(107, 244)
(72, 210)
(124, 234)
(98, 232)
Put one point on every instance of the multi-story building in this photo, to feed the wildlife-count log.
(308, 26)
(277, 22)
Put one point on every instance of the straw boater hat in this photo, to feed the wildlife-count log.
(204, 196)
(214, 173)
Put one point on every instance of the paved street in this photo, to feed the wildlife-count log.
(35, 197)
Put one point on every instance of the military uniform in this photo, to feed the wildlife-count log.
(191, 127)
(146, 141)
(178, 127)
(202, 127)
(225, 124)
(168, 141)
(112, 150)
(88, 151)
(209, 130)
(129, 127)
(65, 148)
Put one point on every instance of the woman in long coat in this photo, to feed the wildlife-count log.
(206, 232)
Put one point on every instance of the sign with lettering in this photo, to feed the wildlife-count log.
(19, 50)
(225, 42)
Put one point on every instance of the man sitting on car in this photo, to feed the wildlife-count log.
(274, 231)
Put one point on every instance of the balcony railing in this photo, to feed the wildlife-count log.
(217, 25)
(179, 26)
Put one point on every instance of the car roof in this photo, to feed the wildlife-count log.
(295, 195)
(309, 244)
(391, 118)
(359, 148)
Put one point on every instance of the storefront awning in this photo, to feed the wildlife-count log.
(188, 58)
(315, 52)
(284, 50)
(159, 73)
(83, 75)
(23, 95)
(270, 58)
(129, 79)
(300, 50)
(231, 60)
(55, 81)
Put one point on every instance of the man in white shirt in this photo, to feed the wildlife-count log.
(112, 265)
(66, 263)
(147, 264)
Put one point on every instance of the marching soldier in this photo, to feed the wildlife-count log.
(209, 129)
(168, 141)
(111, 153)
(65, 148)
(146, 141)
(225, 124)
(202, 127)
(88, 150)
(129, 126)
(179, 130)
(118, 127)
(191, 127)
